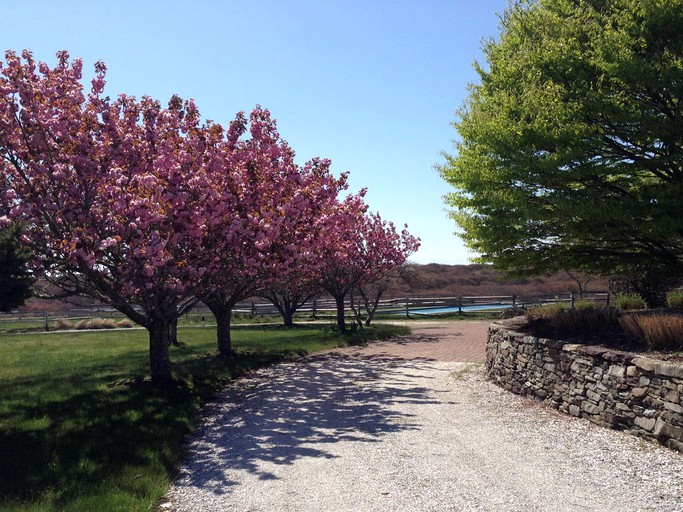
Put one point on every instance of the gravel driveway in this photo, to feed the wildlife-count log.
(381, 429)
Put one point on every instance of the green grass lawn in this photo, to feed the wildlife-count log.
(80, 429)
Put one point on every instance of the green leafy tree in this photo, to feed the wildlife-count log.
(571, 146)
(15, 278)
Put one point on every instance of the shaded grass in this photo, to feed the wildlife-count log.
(81, 430)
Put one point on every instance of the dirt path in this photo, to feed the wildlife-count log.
(403, 426)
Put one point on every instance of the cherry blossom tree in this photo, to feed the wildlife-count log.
(266, 231)
(108, 191)
(361, 248)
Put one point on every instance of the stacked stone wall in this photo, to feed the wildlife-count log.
(614, 389)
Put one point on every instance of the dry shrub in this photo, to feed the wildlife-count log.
(587, 321)
(659, 331)
(96, 323)
(62, 324)
(124, 324)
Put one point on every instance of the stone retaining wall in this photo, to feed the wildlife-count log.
(614, 389)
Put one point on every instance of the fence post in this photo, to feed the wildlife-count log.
(47, 326)
(459, 304)
(253, 309)
(608, 300)
(314, 309)
(571, 300)
(407, 306)
(514, 301)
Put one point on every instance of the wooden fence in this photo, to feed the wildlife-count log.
(323, 307)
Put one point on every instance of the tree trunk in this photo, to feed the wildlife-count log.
(159, 357)
(288, 317)
(371, 308)
(341, 320)
(283, 307)
(223, 315)
(173, 333)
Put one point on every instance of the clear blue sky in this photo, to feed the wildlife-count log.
(371, 84)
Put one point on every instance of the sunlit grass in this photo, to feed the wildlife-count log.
(81, 430)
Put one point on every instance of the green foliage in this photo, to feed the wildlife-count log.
(545, 312)
(675, 299)
(624, 301)
(585, 304)
(79, 430)
(660, 332)
(15, 279)
(570, 146)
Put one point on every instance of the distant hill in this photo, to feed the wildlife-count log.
(472, 280)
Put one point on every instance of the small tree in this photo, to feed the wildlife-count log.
(373, 292)
(363, 250)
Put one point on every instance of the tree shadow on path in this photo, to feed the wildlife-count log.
(296, 410)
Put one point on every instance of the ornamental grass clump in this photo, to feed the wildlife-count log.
(96, 323)
(586, 320)
(585, 304)
(624, 301)
(658, 331)
(675, 299)
(545, 312)
(62, 325)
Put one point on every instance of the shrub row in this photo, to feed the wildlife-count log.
(93, 323)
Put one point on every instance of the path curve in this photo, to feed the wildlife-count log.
(404, 425)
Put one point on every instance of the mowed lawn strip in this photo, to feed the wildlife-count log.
(81, 429)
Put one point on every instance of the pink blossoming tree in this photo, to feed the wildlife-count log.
(266, 226)
(108, 191)
(361, 249)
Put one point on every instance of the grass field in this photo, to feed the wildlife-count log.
(81, 429)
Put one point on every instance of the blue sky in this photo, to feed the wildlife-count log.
(371, 84)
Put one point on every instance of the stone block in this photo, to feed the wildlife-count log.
(639, 392)
(645, 364)
(664, 430)
(673, 396)
(616, 370)
(609, 418)
(592, 395)
(669, 370)
(674, 445)
(645, 423)
(632, 371)
(644, 381)
(574, 410)
(673, 407)
(591, 408)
